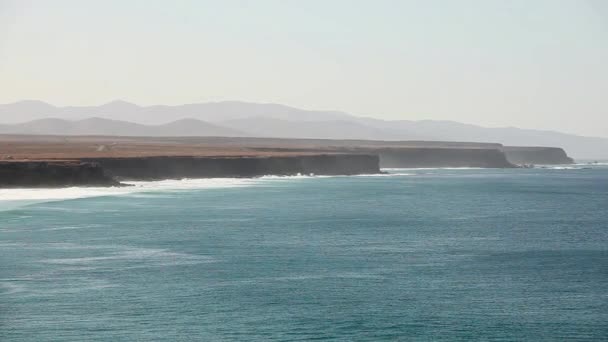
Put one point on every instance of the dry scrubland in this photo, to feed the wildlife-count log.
(35, 147)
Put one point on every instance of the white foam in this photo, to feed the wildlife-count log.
(602, 163)
(391, 169)
(187, 184)
(41, 286)
(392, 174)
(299, 176)
(564, 166)
(149, 256)
(561, 167)
(58, 194)
(12, 198)
(575, 166)
(10, 288)
(50, 194)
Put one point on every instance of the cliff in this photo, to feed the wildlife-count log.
(151, 168)
(17, 174)
(442, 157)
(423, 156)
(447, 153)
(536, 155)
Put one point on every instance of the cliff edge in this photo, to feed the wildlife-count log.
(175, 167)
(536, 155)
(106, 171)
(443, 157)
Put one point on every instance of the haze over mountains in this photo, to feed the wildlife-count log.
(266, 120)
(100, 126)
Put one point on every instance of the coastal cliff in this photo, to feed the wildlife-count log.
(416, 157)
(106, 171)
(536, 155)
(442, 157)
(150, 168)
(79, 161)
(17, 174)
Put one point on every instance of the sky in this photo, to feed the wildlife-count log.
(539, 64)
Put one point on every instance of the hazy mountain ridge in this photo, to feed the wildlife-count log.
(101, 126)
(331, 129)
(28, 110)
(233, 118)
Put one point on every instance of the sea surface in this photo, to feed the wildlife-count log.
(414, 255)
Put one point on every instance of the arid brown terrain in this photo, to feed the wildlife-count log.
(38, 147)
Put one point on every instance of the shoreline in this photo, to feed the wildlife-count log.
(108, 172)
(134, 183)
(12, 198)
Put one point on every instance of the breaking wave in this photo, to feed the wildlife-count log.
(393, 170)
(12, 198)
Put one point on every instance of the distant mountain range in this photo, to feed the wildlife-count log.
(266, 120)
(100, 126)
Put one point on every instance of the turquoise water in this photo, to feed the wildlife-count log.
(419, 255)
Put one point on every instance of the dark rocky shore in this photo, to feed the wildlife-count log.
(108, 171)
(18, 174)
(176, 167)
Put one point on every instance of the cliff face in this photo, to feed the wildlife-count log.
(442, 157)
(207, 167)
(536, 155)
(52, 174)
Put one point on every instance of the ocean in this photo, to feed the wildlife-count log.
(413, 255)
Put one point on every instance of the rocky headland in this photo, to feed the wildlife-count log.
(523, 155)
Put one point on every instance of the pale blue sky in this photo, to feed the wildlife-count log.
(527, 63)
